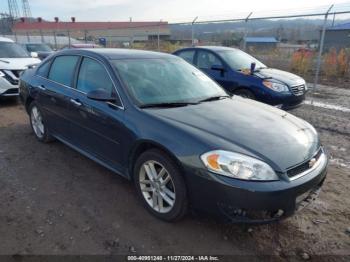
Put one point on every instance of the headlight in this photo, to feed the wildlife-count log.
(239, 166)
(278, 87)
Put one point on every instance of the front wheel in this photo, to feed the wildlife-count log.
(160, 185)
(38, 124)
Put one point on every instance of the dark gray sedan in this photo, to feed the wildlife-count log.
(185, 143)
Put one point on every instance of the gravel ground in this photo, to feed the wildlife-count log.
(54, 201)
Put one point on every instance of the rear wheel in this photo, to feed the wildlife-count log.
(38, 124)
(244, 93)
(160, 185)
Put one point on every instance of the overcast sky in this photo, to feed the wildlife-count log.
(167, 10)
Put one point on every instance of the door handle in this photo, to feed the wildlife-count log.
(41, 87)
(75, 102)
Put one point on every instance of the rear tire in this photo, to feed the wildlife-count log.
(245, 93)
(37, 123)
(160, 185)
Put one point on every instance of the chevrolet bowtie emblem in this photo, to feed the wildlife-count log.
(312, 162)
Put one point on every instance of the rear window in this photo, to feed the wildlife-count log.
(62, 69)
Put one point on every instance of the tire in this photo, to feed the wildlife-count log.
(37, 123)
(153, 192)
(245, 93)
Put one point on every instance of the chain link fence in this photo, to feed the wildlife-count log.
(314, 45)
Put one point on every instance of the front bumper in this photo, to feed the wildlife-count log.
(241, 201)
(286, 101)
(7, 89)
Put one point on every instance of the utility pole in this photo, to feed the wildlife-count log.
(193, 22)
(319, 58)
(160, 23)
(246, 31)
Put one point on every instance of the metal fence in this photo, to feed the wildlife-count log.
(302, 38)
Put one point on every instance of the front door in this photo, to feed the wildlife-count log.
(97, 125)
(205, 62)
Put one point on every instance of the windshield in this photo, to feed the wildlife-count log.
(156, 81)
(12, 50)
(38, 48)
(239, 60)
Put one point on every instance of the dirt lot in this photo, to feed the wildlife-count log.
(55, 201)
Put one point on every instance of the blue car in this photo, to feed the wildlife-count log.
(243, 75)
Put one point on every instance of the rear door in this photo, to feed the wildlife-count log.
(55, 90)
(97, 126)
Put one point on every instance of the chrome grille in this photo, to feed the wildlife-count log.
(304, 166)
(298, 90)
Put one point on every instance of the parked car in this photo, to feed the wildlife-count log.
(159, 121)
(241, 74)
(13, 61)
(39, 50)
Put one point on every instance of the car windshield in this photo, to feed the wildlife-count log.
(239, 60)
(161, 81)
(38, 48)
(12, 50)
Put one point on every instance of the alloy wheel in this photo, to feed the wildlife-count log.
(157, 186)
(37, 122)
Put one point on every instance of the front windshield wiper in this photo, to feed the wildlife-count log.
(168, 104)
(4, 61)
(213, 98)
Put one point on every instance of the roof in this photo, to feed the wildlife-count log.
(345, 26)
(4, 39)
(44, 25)
(215, 48)
(258, 39)
(119, 53)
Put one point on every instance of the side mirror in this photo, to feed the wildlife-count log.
(252, 68)
(34, 54)
(218, 68)
(100, 95)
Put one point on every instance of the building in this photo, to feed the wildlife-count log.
(92, 31)
(337, 36)
(260, 43)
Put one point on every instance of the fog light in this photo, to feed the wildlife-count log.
(279, 213)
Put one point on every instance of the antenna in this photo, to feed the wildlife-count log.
(13, 8)
(26, 8)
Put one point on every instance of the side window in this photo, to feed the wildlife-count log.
(43, 70)
(187, 55)
(93, 76)
(206, 60)
(62, 69)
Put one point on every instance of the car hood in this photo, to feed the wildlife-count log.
(17, 63)
(282, 76)
(277, 137)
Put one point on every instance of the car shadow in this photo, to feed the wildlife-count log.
(9, 101)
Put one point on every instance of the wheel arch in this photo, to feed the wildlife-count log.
(144, 145)
(27, 103)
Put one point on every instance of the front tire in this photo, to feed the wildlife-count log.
(38, 124)
(160, 185)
